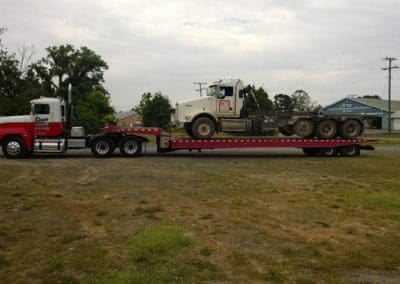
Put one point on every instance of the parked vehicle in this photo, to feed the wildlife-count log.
(224, 109)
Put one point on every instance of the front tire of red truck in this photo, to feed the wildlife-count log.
(14, 147)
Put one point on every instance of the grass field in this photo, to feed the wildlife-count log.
(201, 219)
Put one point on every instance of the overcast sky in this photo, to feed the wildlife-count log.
(331, 49)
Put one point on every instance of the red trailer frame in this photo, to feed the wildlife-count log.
(311, 147)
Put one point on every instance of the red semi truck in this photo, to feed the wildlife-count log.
(48, 130)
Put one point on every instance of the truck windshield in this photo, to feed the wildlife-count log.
(212, 91)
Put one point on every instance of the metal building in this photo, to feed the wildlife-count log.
(368, 106)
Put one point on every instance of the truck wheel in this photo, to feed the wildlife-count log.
(350, 151)
(286, 131)
(350, 129)
(312, 152)
(130, 147)
(326, 129)
(102, 147)
(203, 128)
(14, 147)
(303, 127)
(329, 152)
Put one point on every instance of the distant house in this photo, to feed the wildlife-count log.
(128, 119)
(368, 106)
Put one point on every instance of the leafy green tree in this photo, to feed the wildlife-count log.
(84, 69)
(301, 101)
(10, 80)
(260, 102)
(155, 110)
(64, 65)
(283, 102)
(94, 111)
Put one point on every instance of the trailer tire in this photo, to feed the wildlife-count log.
(14, 147)
(350, 129)
(312, 152)
(203, 128)
(303, 127)
(329, 152)
(350, 151)
(326, 129)
(130, 147)
(102, 147)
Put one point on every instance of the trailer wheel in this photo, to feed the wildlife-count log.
(14, 147)
(350, 129)
(303, 127)
(203, 128)
(329, 152)
(102, 147)
(312, 152)
(326, 129)
(350, 151)
(130, 147)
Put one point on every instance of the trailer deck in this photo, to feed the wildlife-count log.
(311, 147)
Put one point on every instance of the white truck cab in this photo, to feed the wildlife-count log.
(202, 116)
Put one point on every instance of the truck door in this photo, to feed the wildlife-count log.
(226, 105)
(41, 119)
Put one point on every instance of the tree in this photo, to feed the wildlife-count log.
(94, 111)
(283, 102)
(155, 110)
(261, 102)
(299, 101)
(10, 80)
(371, 97)
(84, 70)
(64, 65)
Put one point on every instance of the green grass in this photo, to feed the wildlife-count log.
(158, 241)
(386, 200)
(190, 219)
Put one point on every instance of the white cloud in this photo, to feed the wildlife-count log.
(329, 48)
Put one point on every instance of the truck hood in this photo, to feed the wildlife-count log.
(192, 101)
(15, 119)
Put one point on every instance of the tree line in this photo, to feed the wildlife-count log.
(22, 80)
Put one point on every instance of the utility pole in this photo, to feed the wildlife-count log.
(200, 89)
(389, 68)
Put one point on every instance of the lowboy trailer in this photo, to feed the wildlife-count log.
(165, 142)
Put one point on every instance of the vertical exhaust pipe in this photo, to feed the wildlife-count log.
(69, 94)
(69, 109)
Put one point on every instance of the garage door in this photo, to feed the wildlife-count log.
(396, 123)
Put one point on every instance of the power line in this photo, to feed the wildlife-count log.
(389, 69)
(200, 89)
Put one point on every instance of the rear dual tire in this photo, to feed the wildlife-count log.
(130, 147)
(102, 147)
